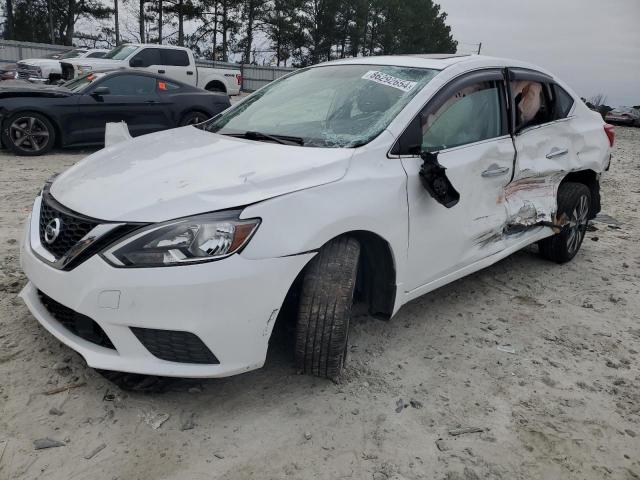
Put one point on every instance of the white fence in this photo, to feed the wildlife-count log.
(253, 76)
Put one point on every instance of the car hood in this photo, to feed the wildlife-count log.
(186, 171)
(18, 88)
(46, 65)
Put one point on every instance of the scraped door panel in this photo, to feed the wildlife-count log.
(545, 154)
(443, 240)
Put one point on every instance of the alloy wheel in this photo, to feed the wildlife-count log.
(29, 134)
(578, 224)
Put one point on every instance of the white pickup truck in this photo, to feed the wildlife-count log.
(47, 70)
(174, 62)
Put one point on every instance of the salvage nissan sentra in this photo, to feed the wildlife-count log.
(372, 180)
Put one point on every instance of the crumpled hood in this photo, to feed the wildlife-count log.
(186, 171)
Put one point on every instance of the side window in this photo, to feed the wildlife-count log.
(174, 58)
(164, 86)
(532, 103)
(470, 115)
(562, 102)
(130, 85)
(96, 55)
(146, 58)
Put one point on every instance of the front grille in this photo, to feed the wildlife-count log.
(72, 227)
(175, 346)
(28, 71)
(75, 322)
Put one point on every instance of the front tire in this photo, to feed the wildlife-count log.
(28, 134)
(325, 305)
(574, 200)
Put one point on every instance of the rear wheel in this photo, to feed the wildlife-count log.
(193, 118)
(29, 134)
(325, 305)
(574, 200)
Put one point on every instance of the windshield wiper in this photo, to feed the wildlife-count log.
(282, 139)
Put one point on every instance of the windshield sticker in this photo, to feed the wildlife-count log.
(389, 80)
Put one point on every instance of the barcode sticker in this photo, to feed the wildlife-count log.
(389, 80)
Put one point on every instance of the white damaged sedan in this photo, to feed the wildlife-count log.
(371, 180)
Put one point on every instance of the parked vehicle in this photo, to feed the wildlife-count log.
(371, 180)
(8, 71)
(624, 116)
(48, 70)
(34, 118)
(174, 62)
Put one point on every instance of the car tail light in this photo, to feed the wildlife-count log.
(239, 79)
(611, 134)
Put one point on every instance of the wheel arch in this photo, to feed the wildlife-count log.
(216, 83)
(376, 284)
(591, 180)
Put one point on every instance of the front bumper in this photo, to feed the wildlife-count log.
(231, 305)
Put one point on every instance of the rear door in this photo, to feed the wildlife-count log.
(132, 98)
(546, 145)
(465, 128)
(176, 64)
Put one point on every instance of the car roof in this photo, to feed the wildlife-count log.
(155, 45)
(437, 61)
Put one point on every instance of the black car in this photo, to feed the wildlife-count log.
(34, 118)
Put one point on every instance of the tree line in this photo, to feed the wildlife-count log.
(285, 32)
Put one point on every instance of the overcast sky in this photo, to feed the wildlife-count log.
(593, 45)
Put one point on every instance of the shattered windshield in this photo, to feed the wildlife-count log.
(329, 106)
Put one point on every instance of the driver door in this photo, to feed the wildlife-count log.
(131, 98)
(465, 128)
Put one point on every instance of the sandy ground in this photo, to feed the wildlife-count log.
(565, 404)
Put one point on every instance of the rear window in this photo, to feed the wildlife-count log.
(175, 58)
(563, 102)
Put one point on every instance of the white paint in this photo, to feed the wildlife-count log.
(304, 198)
(116, 132)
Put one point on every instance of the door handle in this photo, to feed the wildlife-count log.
(160, 71)
(555, 152)
(494, 170)
(151, 102)
(189, 72)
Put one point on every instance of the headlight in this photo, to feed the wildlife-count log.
(202, 238)
(84, 68)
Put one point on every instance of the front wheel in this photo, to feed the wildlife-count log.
(574, 200)
(29, 134)
(324, 311)
(193, 118)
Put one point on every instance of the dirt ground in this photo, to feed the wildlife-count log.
(560, 398)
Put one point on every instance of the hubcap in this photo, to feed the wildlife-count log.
(578, 224)
(29, 134)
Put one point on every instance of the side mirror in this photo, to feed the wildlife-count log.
(100, 91)
(136, 62)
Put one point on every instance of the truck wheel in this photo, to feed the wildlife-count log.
(574, 200)
(28, 133)
(324, 311)
(193, 118)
